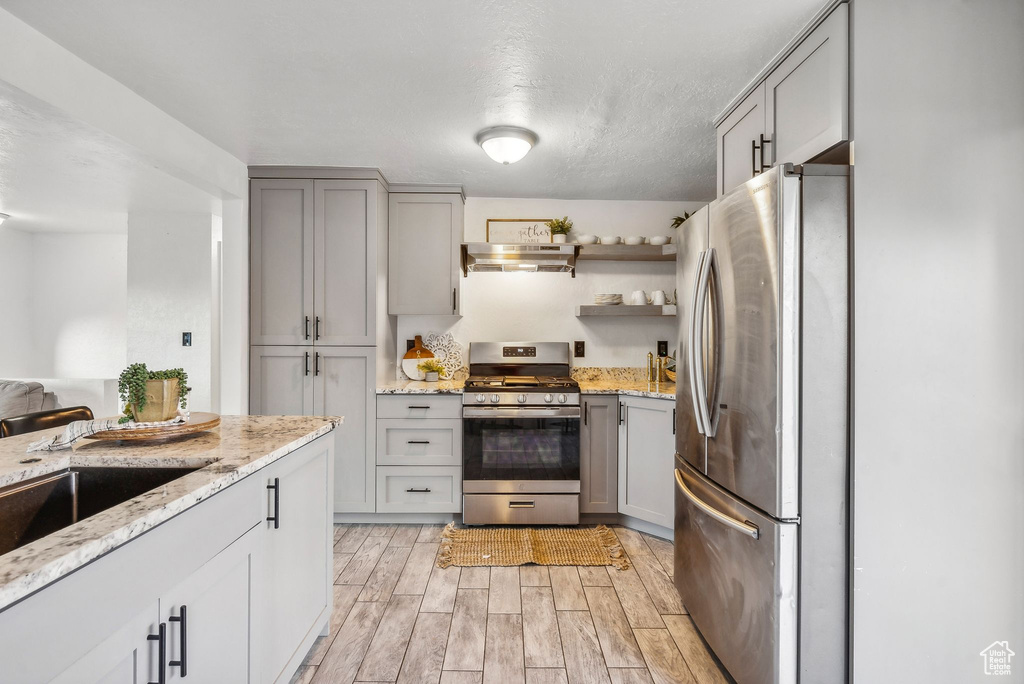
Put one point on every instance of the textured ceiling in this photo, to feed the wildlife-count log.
(57, 174)
(620, 92)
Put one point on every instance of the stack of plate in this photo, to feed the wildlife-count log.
(607, 299)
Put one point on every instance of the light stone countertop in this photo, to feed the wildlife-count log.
(240, 446)
(624, 387)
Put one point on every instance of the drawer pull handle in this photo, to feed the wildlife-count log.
(161, 663)
(420, 407)
(521, 504)
(419, 441)
(421, 491)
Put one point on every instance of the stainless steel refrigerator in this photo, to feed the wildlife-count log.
(761, 468)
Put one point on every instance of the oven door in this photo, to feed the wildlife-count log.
(521, 449)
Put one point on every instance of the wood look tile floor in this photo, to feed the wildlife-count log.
(399, 618)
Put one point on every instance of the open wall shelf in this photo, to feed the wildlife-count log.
(628, 252)
(626, 310)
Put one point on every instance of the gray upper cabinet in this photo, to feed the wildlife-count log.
(313, 262)
(345, 257)
(739, 142)
(281, 261)
(599, 454)
(424, 232)
(799, 109)
(808, 94)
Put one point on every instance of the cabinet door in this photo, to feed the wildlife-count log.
(208, 617)
(281, 381)
(345, 273)
(737, 135)
(280, 261)
(646, 448)
(344, 386)
(296, 561)
(127, 657)
(599, 457)
(808, 108)
(424, 232)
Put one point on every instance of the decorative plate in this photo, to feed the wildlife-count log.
(446, 350)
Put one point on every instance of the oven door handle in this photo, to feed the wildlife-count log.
(524, 412)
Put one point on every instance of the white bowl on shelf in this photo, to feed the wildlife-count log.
(611, 240)
(586, 239)
(660, 240)
(634, 240)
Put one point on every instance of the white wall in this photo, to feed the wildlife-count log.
(542, 306)
(17, 332)
(938, 111)
(68, 304)
(170, 292)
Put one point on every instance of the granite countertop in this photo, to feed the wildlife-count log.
(240, 446)
(625, 387)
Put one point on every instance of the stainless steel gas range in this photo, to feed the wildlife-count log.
(520, 435)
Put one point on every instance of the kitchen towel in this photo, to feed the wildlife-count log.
(85, 428)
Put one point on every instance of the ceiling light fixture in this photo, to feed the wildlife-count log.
(506, 144)
(4, 217)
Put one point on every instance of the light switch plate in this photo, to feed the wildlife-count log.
(579, 349)
(186, 339)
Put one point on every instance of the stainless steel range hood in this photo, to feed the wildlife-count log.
(538, 257)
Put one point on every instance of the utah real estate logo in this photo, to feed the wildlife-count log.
(997, 658)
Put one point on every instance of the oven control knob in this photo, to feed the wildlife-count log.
(481, 398)
(548, 398)
(521, 398)
(562, 398)
(495, 398)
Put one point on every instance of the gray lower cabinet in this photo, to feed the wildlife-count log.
(325, 381)
(424, 232)
(297, 559)
(599, 458)
(646, 459)
(419, 453)
(236, 598)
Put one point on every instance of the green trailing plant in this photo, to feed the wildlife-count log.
(560, 226)
(131, 385)
(431, 366)
(678, 220)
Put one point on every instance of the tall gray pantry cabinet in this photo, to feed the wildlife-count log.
(315, 256)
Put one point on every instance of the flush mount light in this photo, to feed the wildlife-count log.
(4, 217)
(506, 144)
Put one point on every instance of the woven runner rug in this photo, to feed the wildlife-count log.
(507, 546)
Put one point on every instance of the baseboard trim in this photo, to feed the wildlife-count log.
(396, 518)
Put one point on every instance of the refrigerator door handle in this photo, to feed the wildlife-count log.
(691, 337)
(697, 342)
(738, 525)
(713, 411)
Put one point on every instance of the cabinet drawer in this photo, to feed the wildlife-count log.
(419, 489)
(419, 406)
(419, 442)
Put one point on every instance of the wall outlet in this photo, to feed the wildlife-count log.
(409, 344)
(579, 349)
(662, 347)
(186, 339)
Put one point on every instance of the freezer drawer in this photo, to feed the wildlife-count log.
(736, 571)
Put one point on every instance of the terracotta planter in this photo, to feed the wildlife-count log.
(161, 401)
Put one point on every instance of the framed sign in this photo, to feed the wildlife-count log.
(518, 230)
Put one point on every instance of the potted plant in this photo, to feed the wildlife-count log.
(151, 396)
(559, 228)
(432, 369)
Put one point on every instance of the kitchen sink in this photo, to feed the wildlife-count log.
(32, 509)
